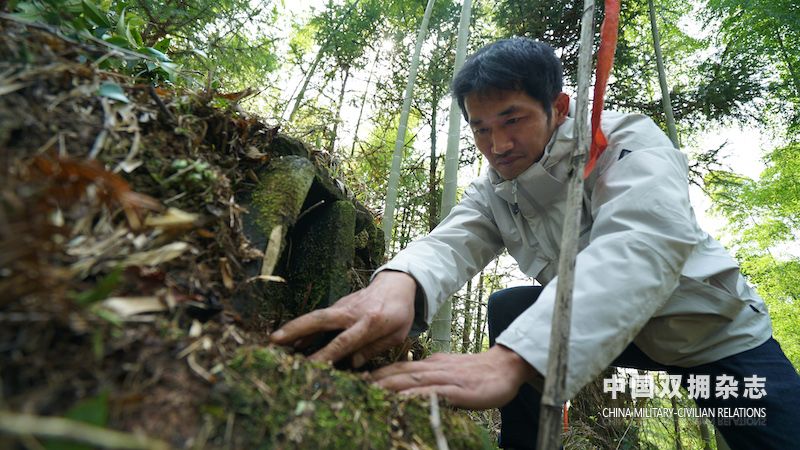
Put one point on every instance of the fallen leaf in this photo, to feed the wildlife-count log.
(157, 256)
(172, 219)
(129, 166)
(131, 306)
(273, 251)
(252, 152)
(227, 276)
(196, 329)
(274, 278)
(9, 88)
(204, 233)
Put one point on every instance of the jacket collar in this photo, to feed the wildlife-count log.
(544, 181)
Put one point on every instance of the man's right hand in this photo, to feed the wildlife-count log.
(374, 319)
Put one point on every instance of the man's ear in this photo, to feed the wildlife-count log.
(561, 108)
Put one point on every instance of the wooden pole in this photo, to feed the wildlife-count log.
(556, 378)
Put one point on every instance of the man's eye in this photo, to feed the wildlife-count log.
(512, 121)
(480, 131)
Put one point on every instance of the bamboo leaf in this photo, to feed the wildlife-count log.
(113, 91)
(94, 14)
(101, 290)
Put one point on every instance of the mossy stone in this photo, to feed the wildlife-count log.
(284, 145)
(281, 401)
(281, 192)
(276, 201)
(322, 255)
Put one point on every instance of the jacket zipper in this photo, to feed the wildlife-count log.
(551, 244)
(515, 206)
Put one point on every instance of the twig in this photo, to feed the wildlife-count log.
(436, 424)
(154, 95)
(309, 209)
(199, 370)
(99, 142)
(59, 427)
(229, 429)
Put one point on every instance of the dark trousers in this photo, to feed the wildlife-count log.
(779, 430)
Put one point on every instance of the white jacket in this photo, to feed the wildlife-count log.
(645, 271)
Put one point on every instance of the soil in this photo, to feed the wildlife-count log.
(122, 250)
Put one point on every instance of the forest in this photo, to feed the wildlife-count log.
(181, 177)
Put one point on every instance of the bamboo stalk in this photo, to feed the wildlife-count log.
(71, 430)
(400, 143)
(549, 436)
(666, 102)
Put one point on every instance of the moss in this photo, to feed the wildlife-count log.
(282, 191)
(361, 240)
(377, 244)
(283, 401)
(322, 256)
(285, 146)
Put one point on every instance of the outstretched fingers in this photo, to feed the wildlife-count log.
(314, 322)
(415, 379)
(344, 344)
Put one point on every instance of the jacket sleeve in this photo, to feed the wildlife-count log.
(642, 234)
(444, 260)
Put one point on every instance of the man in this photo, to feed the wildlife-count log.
(652, 290)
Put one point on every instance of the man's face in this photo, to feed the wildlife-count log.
(511, 129)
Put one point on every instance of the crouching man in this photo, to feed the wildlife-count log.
(652, 290)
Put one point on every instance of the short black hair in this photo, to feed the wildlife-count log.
(516, 64)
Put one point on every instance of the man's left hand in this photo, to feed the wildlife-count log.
(481, 381)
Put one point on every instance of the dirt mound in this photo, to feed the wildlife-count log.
(150, 239)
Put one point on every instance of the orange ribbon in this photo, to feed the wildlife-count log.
(605, 60)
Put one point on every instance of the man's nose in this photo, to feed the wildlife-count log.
(501, 142)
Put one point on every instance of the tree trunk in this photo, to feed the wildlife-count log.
(479, 320)
(338, 118)
(454, 121)
(405, 225)
(311, 71)
(789, 66)
(363, 102)
(433, 217)
(400, 142)
(443, 318)
(466, 329)
(662, 78)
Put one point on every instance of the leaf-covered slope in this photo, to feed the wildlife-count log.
(133, 295)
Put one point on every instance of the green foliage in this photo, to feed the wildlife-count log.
(765, 34)
(159, 41)
(706, 84)
(345, 30)
(114, 27)
(93, 411)
(101, 290)
(231, 39)
(113, 91)
(764, 215)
